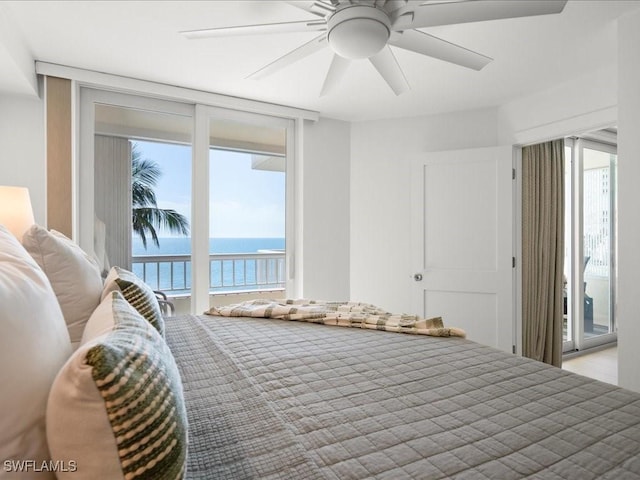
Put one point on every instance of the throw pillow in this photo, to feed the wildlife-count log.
(116, 409)
(137, 293)
(74, 275)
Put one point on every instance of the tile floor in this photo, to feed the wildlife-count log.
(601, 365)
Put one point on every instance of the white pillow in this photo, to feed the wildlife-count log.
(116, 409)
(74, 275)
(34, 344)
(100, 322)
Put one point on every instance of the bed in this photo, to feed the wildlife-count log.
(281, 399)
(98, 384)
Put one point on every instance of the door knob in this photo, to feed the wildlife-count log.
(417, 277)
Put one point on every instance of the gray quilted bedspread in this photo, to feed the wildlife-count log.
(276, 399)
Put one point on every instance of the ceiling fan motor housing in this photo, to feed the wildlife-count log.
(358, 31)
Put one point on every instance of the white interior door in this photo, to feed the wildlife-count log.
(463, 241)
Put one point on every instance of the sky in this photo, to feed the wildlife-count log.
(244, 203)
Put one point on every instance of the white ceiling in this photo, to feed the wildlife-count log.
(141, 39)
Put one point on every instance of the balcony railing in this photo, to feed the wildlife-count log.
(228, 272)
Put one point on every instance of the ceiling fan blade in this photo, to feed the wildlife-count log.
(293, 56)
(387, 65)
(430, 15)
(260, 29)
(392, 5)
(334, 75)
(317, 7)
(426, 44)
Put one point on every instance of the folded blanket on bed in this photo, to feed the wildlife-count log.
(344, 314)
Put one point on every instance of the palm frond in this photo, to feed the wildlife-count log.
(145, 171)
(146, 219)
(142, 195)
(145, 174)
(146, 216)
(143, 224)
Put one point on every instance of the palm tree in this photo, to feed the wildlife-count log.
(146, 216)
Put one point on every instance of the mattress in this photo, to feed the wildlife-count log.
(277, 399)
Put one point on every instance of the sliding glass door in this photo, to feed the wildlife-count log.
(135, 185)
(247, 190)
(244, 163)
(195, 200)
(590, 266)
(598, 225)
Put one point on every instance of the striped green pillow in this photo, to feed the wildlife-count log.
(117, 408)
(137, 293)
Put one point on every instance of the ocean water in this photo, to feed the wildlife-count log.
(182, 245)
(227, 275)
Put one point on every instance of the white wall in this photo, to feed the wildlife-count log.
(325, 206)
(18, 68)
(600, 99)
(22, 148)
(628, 313)
(381, 264)
(586, 103)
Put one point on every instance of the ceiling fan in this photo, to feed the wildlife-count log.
(364, 29)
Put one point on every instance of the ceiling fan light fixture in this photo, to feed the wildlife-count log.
(358, 31)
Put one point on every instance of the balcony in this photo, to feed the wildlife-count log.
(228, 273)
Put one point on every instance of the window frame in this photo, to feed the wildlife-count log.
(575, 300)
(83, 175)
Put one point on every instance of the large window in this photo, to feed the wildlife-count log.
(195, 200)
(142, 192)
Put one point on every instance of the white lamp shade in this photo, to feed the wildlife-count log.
(15, 210)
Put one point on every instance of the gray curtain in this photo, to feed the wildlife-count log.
(112, 173)
(543, 251)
